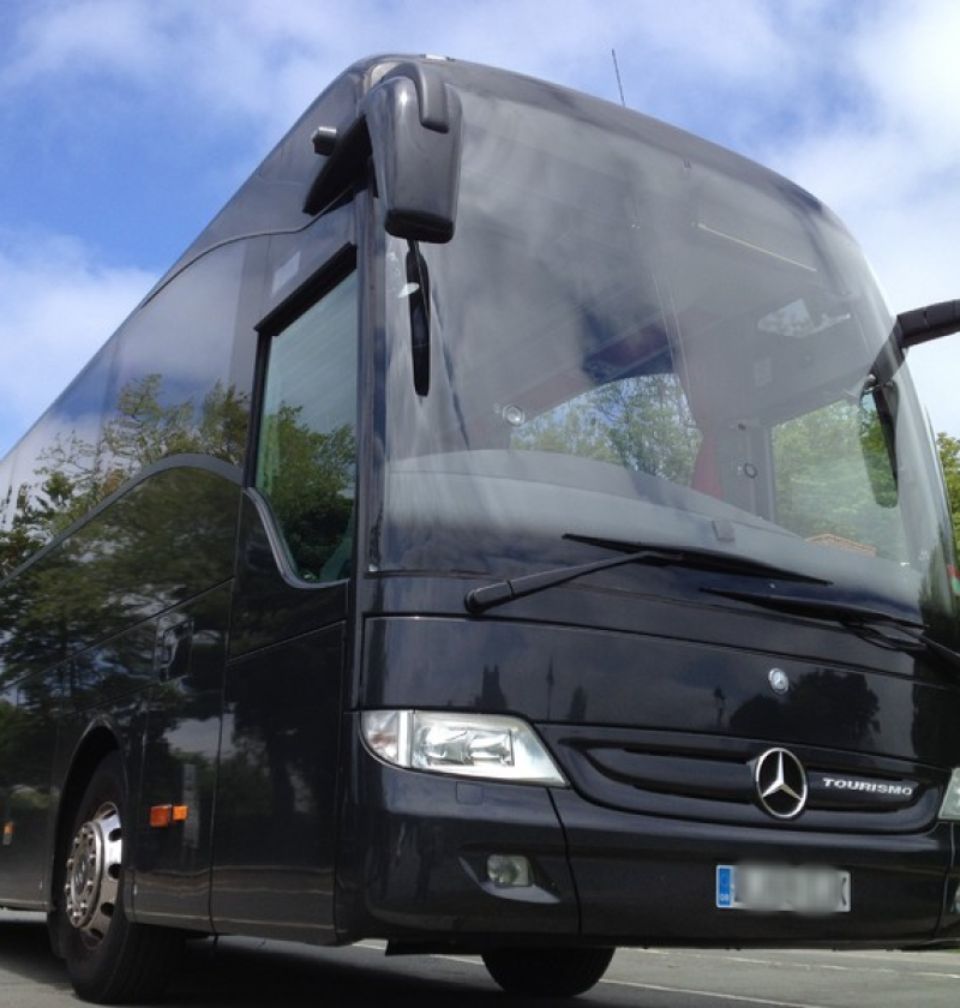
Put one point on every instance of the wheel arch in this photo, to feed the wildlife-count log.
(99, 741)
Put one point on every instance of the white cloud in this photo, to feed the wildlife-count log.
(860, 103)
(891, 168)
(909, 59)
(57, 306)
(265, 62)
(94, 36)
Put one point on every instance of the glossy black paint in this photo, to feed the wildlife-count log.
(706, 777)
(115, 634)
(661, 603)
(28, 735)
(639, 880)
(169, 622)
(413, 866)
(181, 741)
(167, 383)
(679, 680)
(662, 891)
(269, 605)
(274, 844)
(275, 836)
(81, 617)
(131, 480)
(656, 730)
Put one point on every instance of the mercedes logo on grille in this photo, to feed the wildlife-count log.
(781, 783)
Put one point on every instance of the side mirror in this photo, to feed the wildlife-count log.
(928, 323)
(411, 122)
(414, 121)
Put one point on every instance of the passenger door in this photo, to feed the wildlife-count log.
(274, 834)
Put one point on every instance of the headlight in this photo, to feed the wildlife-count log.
(468, 745)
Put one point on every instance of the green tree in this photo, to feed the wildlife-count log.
(94, 595)
(308, 476)
(74, 475)
(642, 423)
(834, 474)
(949, 448)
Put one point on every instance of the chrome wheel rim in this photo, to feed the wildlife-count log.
(93, 872)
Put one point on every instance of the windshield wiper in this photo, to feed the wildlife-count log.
(479, 599)
(701, 558)
(876, 625)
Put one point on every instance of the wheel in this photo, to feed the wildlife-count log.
(109, 958)
(547, 972)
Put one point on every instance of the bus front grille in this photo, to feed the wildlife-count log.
(714, 779)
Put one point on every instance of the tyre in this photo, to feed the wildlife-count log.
(543, 972)
(109, 958)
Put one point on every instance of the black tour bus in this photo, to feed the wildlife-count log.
(510, 528)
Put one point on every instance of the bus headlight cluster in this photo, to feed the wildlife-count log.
(466, 745)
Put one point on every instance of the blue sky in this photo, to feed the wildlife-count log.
(126, 124)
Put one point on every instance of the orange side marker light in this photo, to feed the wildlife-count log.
(161, 816)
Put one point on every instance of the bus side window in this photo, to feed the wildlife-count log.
(306, 456)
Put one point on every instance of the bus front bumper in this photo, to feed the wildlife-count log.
(421, 859)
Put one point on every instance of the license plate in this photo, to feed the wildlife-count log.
(783, 888)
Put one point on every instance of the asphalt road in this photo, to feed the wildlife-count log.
(240, 972)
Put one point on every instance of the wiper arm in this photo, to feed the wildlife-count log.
(875, 624)
(479, 599)
(709, 560)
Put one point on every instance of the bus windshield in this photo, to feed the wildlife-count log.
(637, 338)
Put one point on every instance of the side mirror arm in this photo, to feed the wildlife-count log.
(929, 323)
(346, 153)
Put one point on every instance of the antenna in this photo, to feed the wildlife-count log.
(616, 70)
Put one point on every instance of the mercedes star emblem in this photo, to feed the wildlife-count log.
(781, 783)
(779, 680)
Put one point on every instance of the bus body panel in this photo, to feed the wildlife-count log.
(638, 880)
(181, 741)
(275, 837)
(665, 889)
(668, 681)
(413, 857)
(658, 737)
(168, 616)
(30, 730)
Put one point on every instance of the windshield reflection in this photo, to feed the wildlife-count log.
(640, 344)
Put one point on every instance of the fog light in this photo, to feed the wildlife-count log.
(950, 809)
(509, 871)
